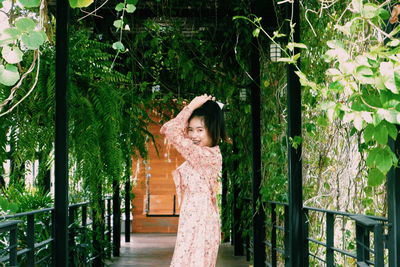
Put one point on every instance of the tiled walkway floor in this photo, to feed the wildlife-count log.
(156, 250)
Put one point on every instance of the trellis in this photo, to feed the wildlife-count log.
(296, 212)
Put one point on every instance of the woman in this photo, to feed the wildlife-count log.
(195, 133)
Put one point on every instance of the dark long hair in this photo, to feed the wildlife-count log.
(213, 120)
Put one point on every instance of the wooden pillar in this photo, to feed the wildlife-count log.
(61, 148)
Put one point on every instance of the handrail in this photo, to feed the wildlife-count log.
(365, 223)
(342, 213)
(32, 245)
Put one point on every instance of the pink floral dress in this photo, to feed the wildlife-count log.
(196, 182)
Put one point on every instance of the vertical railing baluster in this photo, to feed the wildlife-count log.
(71, 235)
(30, 239)
(110, 243)
(286, 235)
(13, 247)
(305, 246)
(273, 235)
(53, 235)
(378, 245)
(84, 215)
(330, 224)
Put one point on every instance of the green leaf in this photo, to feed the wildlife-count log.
(391, 116)
(118, 46)
(371, 158)
(9, 36)
(397, 79)
(9, 75)
(384, 161)
(120, 7)
(375, 177)
(25, 24)
(381, 134)
(369, 132)
(364, 75)
(80, 3)
(372, 100)
(29, 3)
(369, 11)
(32, 40)
(392, 130)
(256, 32)
(130, 8)
(118, 23)
(387, 71)
(12, 55)
(384, 14)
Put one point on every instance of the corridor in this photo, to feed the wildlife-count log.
(156, 250)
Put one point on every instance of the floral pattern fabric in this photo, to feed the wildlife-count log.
(196, 182)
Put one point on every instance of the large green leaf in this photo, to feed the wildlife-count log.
(371, 159)
(384, 161)
(29, 3)
(368, 132)
(32, 40)
(392, 130)
(80, 3)
(9, 36)
(381, 134)
(375, 177)
(9, 75)
(12, 55)
(25, 24)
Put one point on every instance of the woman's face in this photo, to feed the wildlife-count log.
(198, 132)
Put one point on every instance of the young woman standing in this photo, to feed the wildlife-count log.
(195, 133)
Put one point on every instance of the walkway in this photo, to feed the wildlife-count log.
(156, 250)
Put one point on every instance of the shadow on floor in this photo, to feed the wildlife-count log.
(157, 249)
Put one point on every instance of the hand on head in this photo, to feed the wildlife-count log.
(198, 101)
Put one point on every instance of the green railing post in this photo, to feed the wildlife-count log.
(378, 245)
(71, 235)
(13, 247)
(30, 239)
(286, 235)
(330, 224)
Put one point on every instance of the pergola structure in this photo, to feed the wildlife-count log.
(207, 11)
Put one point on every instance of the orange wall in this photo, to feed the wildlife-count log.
(161, 186)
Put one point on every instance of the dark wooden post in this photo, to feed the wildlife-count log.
(61, 148)
(298, 245)
(128, 207)
(393, 199)
(116, 219)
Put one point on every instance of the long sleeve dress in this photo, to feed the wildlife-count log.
(196, 182)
